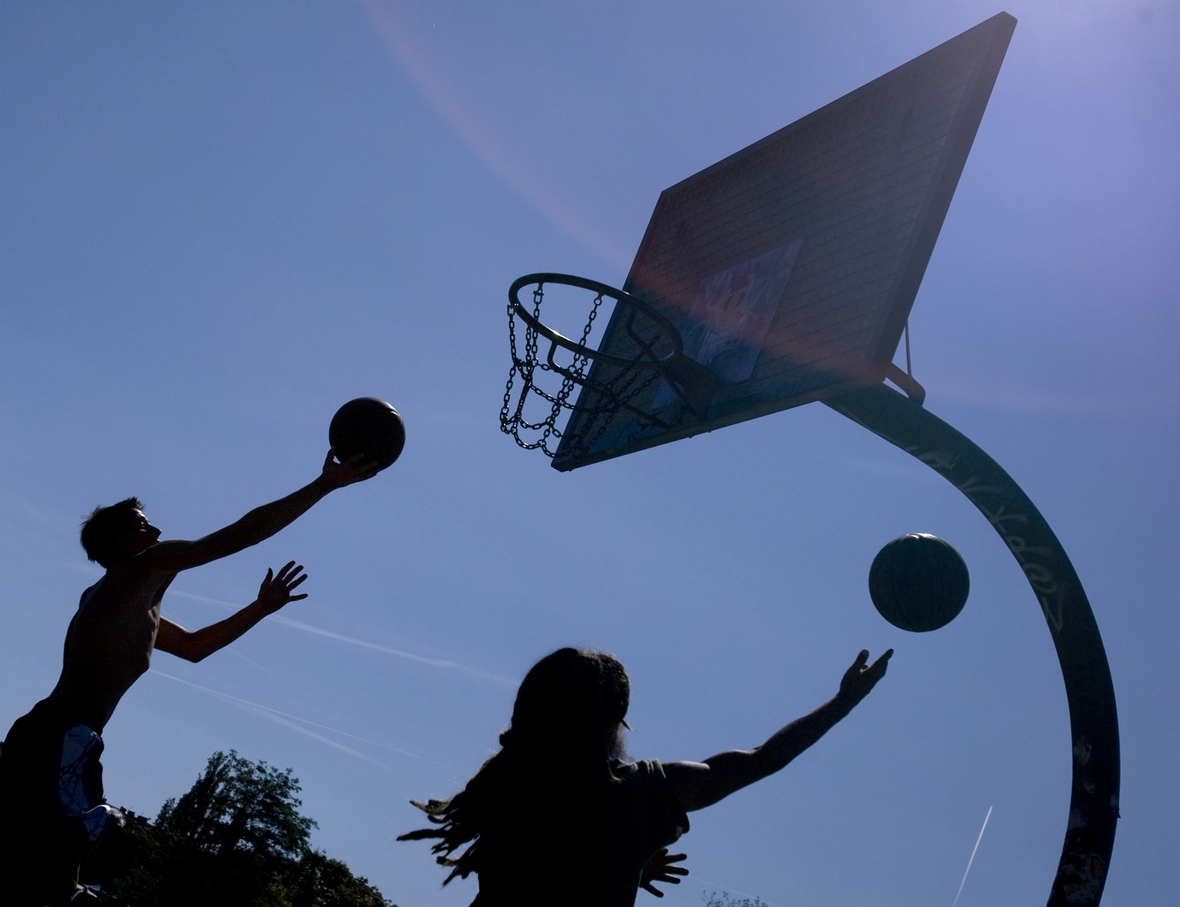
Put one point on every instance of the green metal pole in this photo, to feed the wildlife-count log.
(1094, 800)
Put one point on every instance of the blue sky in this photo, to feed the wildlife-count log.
(222, 221)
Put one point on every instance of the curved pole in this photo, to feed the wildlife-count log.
(1094, 801)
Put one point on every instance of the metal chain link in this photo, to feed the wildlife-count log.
(589, 423)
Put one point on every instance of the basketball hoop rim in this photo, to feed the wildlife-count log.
(542, 278)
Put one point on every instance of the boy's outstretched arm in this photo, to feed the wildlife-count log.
(701, 784)
(260, 523)
(275, 592)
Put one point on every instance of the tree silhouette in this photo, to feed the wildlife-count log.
(243, 806)
(236, 839)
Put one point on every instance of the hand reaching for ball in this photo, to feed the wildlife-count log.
(339, 474)
(860, 679)
(370, 427)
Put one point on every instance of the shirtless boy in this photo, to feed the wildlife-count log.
(50, 776)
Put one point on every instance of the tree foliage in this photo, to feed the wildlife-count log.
(240, 806)
(236, 839)
(725, 899)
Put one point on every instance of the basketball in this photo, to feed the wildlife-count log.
(919, 582)
(369, 427)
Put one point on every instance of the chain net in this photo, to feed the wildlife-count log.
(544, 376)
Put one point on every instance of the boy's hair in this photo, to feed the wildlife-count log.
(102, 530)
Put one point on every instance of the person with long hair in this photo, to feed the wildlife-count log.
(561, 815)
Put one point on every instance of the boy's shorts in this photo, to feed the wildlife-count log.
(51, 791)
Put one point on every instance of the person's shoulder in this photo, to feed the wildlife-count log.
(151, 562)
(641, 768)
(90, 591)
(126, 580)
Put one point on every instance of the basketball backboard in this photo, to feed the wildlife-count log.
(789, 268)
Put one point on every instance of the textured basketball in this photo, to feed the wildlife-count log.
(919, 582)
(370, 427)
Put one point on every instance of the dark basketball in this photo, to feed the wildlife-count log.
(370, 427)
(919, 582)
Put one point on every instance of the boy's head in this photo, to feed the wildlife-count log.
(113, 533)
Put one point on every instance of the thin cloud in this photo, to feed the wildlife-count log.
(363, 643)
(290, 721)
(433, 662)
(972, 860)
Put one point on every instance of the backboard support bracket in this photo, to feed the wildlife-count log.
(907, 383)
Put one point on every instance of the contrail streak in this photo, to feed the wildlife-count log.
(433, 662)
(288, 720)
(972, 860)
(363, 643)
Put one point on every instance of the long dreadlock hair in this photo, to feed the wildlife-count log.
(554, 762)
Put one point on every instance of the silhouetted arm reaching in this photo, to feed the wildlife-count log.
(701, 784)
(260, 523)
(275, 592)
